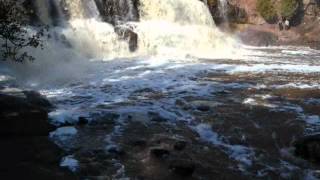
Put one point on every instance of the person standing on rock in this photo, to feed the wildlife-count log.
(287, 24)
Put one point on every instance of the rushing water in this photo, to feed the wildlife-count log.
(168, 27)
(174, 89)
(223, 7)
(187, 79)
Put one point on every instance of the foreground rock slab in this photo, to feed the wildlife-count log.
(26, 151)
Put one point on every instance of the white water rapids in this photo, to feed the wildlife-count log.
(177, 28)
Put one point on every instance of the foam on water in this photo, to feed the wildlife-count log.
(70, 162)
(242, 154)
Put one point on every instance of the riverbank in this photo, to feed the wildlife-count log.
(306, 34)
(246, 22)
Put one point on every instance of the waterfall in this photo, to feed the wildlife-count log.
(42, 7)
(180, 27)
(223, 9)
(166, 28)
(81, 9)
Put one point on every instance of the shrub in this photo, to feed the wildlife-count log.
(289, 8)
(14, 36)
(267, 10)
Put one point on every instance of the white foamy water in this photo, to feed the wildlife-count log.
(242, 154)
(173, 28)
(70, 162)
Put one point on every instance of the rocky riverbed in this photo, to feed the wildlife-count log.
(250, 117)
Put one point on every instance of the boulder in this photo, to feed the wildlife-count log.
(38, 100)
(128, 35)
(24, 115)
(308, 147)
(258, 38)
(182, 167)
(26, 151)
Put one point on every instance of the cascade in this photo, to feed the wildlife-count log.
(223, 8)
(88, 34)
(119, 11)
(81, 9)
(165, 27)
(48, 12)
(180, 27)
(43, 11)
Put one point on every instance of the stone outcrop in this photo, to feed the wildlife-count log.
(26, 151)
(24, 113)
(311, 8)
(235, 14)
(255, 37)
(129, 35)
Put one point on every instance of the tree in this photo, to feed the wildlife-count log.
(289, 8)
(14, 34)
(267, 10)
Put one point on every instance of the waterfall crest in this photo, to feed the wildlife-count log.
(181, 28)
(166, 27)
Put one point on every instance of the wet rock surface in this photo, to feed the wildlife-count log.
(258, 38)
(24, 113)
(26, 151)
(308, 147)
(143, 121)
(234, 12)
